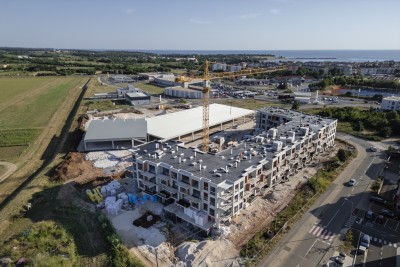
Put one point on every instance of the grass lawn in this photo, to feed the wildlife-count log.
(95, 86)
(9, 153)
(101, 105)
(149, 88)
(249, 103)
(26, 106)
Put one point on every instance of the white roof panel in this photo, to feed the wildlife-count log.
(184, 122)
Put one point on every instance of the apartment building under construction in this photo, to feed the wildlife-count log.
(204, 189)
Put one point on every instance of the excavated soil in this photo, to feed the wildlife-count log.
(76, 168)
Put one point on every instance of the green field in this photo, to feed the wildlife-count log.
(249, 103)
(149, 88)
(26, 106)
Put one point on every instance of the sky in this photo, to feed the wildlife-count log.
(201, 25)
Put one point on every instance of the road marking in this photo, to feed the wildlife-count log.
(318, 232)
(311, 247)
(332, 218)
(312, 229)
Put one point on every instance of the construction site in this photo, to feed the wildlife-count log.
(190, 187)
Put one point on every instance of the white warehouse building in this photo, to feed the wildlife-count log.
(391, 103)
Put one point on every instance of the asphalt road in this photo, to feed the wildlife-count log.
(313, 239)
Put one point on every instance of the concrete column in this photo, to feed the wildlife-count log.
(84, 145)
(233, 122)
(112, 142)
(133, 143)
(221, 126)
(192, 136)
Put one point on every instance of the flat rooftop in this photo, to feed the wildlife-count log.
(116, 129)
(180, 123)
(191, 159)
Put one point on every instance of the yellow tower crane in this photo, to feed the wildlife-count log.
(206, 92)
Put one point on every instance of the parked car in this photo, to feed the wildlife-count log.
(380, 219)
(361, 250)
(339, 261)
(373, 148)
(378, 200)
(351, 182)
(365, 240)
(369, 215)
(387, 213)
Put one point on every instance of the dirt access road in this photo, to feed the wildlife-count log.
(11, 168)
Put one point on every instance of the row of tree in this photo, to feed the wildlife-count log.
(384, 123)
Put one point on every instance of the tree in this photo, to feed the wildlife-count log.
(358, 126)
(296, 105)
(385, 131)
(342, 155)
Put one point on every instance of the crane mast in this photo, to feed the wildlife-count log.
(206, 108)
(206, 93)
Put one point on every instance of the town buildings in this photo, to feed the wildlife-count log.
(204, 189)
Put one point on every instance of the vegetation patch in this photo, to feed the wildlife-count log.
(11, 152)
(364, 123)
(149, 88)
(121, 257)
(251, 103)
(43, 244)
(18, 137)
(103, 105)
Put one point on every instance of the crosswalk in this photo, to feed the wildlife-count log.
(351, 221)
(384, 242)
(321, 232)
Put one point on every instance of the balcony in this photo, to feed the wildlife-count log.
(164, 194)
(183, 185)
(150, 191)
(163, 177)
(149, 174)
(192, 198)
(252, 181)
(226, 195)
(149, 183)
(225, 206)
(170, 189)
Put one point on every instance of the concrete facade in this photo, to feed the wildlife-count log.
(220, 185)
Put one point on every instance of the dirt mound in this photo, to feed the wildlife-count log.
(76, 167)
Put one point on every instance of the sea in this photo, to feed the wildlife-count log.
(299, 55)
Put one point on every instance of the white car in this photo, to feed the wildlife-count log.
(351, 182)
(373, 149)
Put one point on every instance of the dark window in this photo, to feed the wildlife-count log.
(212, 212)
(212, 201)
(205, 207)
(212, 190)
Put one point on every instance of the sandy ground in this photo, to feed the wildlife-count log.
(11, 168)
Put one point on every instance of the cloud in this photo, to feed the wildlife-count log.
(249, 16)
(199, 21)
(274, 11)
(129, 11)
